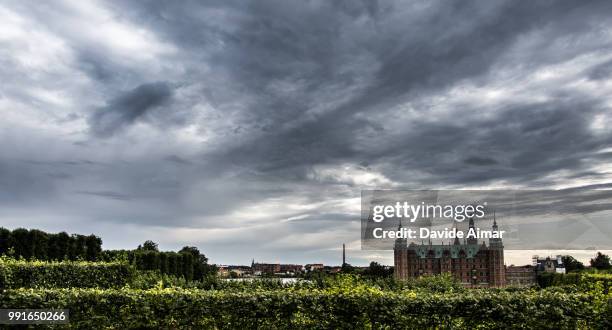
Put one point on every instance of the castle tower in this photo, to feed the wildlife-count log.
(495, 243)
(496, 259)
(400, 257)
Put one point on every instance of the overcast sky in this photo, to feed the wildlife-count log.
(248, 129)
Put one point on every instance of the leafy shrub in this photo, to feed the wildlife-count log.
(582, 280)
(365, 307)
(65, 274)
(554, 279)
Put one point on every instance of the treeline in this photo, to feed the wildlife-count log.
(374, 270)
(37, 244)
(188, 262)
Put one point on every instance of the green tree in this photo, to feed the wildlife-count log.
(348, 269)
(39, 244)
(64, 246)
(53, 248)
(5, 237)
(148, 246)
(93, 246)
(377, 270)
(20, 241)
(571, 264)
(79, 247)
(601, 261)
(201, 268)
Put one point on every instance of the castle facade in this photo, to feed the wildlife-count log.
(474, 263)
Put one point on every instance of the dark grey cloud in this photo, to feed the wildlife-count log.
(178, 160)
(480, 161)
(106, 194)
(277, 47)
(129, 107)
(602, 71)
(233, 116)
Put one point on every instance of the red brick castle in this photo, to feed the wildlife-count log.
(474, 264)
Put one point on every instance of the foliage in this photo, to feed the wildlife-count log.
(601, 261)
(36, 244)
(201, 268)
(604, 281)
(438, 283)
(341, 307)
(373, 270)
(348, 269)
(146, 288)
(583, 281)
(65, 274)
(571, 264)
(435, 283)
(148, 246)
(185, 264)
(556, 279)
(149, 299)
(377, 270)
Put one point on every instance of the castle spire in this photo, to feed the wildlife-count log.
(495, 242)
(472, 231)
(456, 236)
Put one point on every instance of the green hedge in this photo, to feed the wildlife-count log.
(554, 279)
(605, 280)
(65, 274)
(179, 308)
(180, 264)
(583, 280)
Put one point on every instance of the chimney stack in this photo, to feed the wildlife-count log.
(343, 254)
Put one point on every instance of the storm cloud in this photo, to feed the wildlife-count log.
(226, 123)
(128, 107)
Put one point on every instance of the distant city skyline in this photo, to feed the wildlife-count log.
(250, 129)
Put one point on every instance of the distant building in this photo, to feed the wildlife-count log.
(270, 269)
(313, 267)
(520, 275)
(223, 271)
(549, 264)
(291, 269)
(474, 264)
(240, 271)
(263, 268)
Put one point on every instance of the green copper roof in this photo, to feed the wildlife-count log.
(452, 251)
